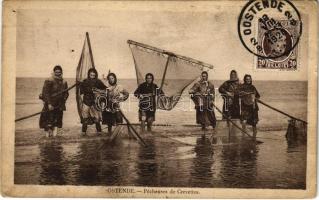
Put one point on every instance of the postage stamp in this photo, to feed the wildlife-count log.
(274, 42)
(271, 30)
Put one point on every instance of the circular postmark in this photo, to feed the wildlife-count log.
(270, 29)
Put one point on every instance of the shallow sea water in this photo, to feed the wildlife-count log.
(184, 160)
(174, 156)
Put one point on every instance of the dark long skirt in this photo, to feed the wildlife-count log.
(250, 114)
(51, 119)
(205, 117)
(231, 108)
(112, 118)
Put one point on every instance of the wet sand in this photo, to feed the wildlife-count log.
(171, 158)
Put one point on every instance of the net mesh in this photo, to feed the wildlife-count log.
(172, 73)
(86, 62)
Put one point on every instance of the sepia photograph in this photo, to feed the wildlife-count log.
(159, 99)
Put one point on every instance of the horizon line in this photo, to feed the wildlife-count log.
(171, 79)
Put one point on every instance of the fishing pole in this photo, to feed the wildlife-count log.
(38, 113)
(273, 108)
(229, 120)
(134, 131)
(116, 133)
(286, 114)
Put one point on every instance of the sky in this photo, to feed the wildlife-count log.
(47, 37)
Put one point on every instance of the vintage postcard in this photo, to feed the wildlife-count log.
(159, 99)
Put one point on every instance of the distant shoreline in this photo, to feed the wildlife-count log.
(176, 79)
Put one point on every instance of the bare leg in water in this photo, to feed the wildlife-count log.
(243, 125)
(48, 132)
(204, 127)
(212, 135)
(149, 125)
(84, 128)
(143, 126)
(254, 132)
(98, 128)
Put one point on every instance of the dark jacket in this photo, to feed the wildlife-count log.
(249, 106)
(231, 106)
(86, 88)
(203, 94)
(51, 87)
(147, 96)
(229, 86)
(245, 92)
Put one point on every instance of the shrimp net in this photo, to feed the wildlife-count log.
(172, 73)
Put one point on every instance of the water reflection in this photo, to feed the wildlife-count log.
(201, 173)
(147, 168)
(296, 133)
(52, 167)
(294, 143)
(112, 155)
(239, 166)
(89, 161)
(297, 164)
(166, 163)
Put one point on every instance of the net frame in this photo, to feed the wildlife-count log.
(168, 55)
(79, 72)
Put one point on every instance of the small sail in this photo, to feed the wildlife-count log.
(86, 62)
(172, 73)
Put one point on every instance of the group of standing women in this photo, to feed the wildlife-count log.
(109, 112)
(55, 93)
(239, 101)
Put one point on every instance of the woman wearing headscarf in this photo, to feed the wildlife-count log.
(147, 93)
(115, 94)
(229, 92)
(203, 95)
(54, 95)
(249, 107)
(90, 112)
